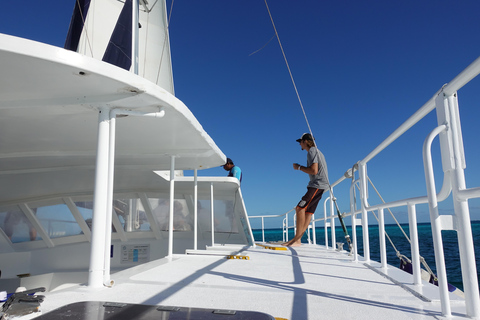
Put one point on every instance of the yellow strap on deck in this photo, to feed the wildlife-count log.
(238, 257)
(270, 247)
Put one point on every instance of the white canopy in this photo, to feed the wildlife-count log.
(49, 120)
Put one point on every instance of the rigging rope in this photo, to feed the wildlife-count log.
(399, 255)
(289, 71)
(402, 257)
(251, 54)
(85, 27)
(347, 237)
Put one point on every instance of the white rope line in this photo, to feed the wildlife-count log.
(289, 71)
(85, 27)
(391, 213)
(422, 259)
(310, 131)
(262, 47)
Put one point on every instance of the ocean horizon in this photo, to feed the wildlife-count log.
(450, 244)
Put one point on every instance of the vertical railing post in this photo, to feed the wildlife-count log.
(362, 168)
(332, 223)
(263, 231)
(172, 205)
(381, 234)
(354, 221)
(462, 214)
(325, 221)
(414, 246)
(313, 227)
(286, 227)
(212, 214)
(195, 209)
(436, 221)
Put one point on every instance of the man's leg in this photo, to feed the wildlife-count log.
(303, 220)
(299, 222)
(309, 202)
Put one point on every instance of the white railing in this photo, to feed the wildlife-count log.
(285, 226)
(445, 103)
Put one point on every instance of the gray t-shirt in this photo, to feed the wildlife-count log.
(320, 180)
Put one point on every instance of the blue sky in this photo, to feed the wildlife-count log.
(361, 69)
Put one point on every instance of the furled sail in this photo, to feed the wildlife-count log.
(76, 24)
(99, 29)
(119, 49)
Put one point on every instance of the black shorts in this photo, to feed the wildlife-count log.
(310, 200)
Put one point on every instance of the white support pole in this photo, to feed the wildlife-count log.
(414, 246)
(212, 214)
(195, 209)
(462, 214)
(108, 219)
(362, 171)
(381, 234)
(172, 204)
(95, 272)
(135, 23)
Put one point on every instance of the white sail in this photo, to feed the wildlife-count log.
(154, 60)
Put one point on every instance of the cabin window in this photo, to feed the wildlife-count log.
(182, 217)
(58, 221)
(224, 218)
(16, 226)
(131, 214)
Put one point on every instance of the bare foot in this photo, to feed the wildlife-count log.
(295, 244)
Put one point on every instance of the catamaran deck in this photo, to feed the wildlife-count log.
(307, 282)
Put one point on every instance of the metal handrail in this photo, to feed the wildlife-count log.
(451, 147)
(268, 217)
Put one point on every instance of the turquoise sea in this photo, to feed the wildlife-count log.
(450, 245)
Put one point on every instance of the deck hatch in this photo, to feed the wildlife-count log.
(99, 310)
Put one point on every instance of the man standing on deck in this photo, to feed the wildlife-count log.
(317, 170)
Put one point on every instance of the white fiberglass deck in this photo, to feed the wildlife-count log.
(307, 282)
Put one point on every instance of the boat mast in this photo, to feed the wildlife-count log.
(135, 26)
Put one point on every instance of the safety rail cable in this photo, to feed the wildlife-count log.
(399, 255)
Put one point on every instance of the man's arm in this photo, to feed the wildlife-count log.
(313, 169)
